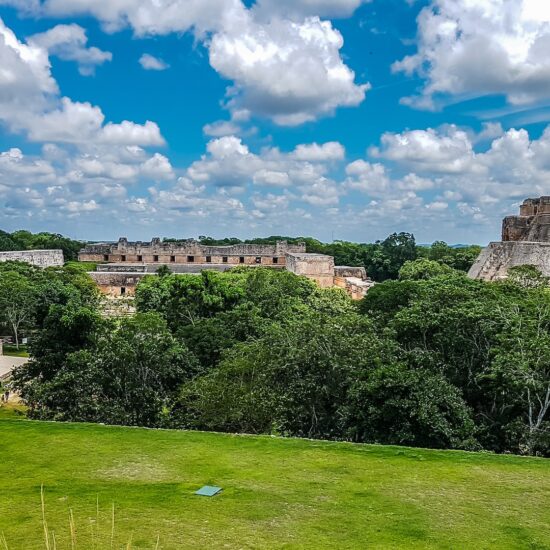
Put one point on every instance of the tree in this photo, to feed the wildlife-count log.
(16, 301)
(103, 372)
(422, 268)
(183, 300)
(67, 329)
(522, 366)
(399, 404)
(391, 254)
(527, 276)
(384, 300)
(293, 380)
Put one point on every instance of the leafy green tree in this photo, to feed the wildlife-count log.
(183, 300)
(67, 329)
(126, 373)
(520, 371)
(293, 380)
(384, 300)
(6, 242)
(527, 276)
(16, 301)
(422, 268)
(390, 256)
(399, 404)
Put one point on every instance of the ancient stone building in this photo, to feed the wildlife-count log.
(123, 265)
(189, 252)
(39, 258)
(532, 224)
(525, 241)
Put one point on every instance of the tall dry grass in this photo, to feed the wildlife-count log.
(99, 539)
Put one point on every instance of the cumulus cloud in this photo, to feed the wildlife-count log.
(151, 63)
(69, 42)
(314, 152)
(304, 8)
(145, 17)
(291, 72)
(420, 193)
(30, 102)
(286, 69)
(482, 47)
(230, 164)
(512, 166)
(25, 79)
(221, 128)
(449, 150)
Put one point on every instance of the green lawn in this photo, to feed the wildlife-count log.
(12, 351)
(277, 493)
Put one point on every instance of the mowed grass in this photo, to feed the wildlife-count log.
(12, 351)
(277, 493)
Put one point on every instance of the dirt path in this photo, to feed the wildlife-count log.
(8, 363)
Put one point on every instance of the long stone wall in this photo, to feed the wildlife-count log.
(186, 252)
(39, 258)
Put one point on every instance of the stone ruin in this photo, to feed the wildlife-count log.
(39, 258)
(123, 264)
(525, 241)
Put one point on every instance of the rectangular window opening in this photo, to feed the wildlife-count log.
(106, 258)
(190, 259)
(241, 260)
(275, 260)
(225, 259)
(173, 259)
(208, 259)
(258, 259)
(123, 258)
(140, 258)
(122, 290)
(155, 258)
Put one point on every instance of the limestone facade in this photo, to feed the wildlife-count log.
(532, 224)
(525, 241)
(188, 252)
(39, 258)
(123, 265)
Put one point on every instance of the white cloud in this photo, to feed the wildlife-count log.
(15, 166)
(468, 47)
(290, 71)
(68, 42)
(26, 83)
(304, 8)
(130, 133)
(368, 178)
(230, 164)
(30, 102)
(221, 128)
(271, 177)
(313, 152)
(287, 71)
(151, 63)
(449, 150)
(145, 17)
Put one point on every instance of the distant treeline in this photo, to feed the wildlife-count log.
(382, 259)
(25, 240)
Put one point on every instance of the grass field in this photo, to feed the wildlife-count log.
(12, 351)
(276, 493)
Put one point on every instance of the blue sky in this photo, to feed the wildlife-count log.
(346, 119)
